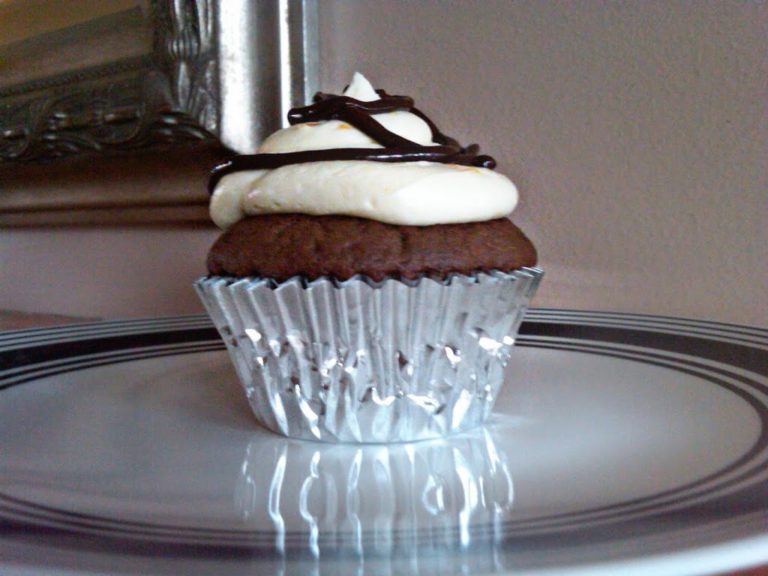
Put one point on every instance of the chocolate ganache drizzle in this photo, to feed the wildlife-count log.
(361, 115)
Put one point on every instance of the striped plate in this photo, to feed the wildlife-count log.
(622, 444)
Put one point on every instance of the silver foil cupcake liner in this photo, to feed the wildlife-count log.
(364, 361)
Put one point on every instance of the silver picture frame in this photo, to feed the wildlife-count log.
(151, 72)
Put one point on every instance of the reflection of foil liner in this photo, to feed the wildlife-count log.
(358, 361)
(372, 503)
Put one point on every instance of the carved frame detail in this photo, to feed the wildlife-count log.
(166, 97)
(220, 75)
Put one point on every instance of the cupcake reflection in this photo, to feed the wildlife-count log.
(376, 500)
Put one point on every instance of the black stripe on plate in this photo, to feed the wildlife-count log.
(68, 349)
(753, 359)
(630, 317)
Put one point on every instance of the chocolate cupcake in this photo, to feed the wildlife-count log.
(368, 284)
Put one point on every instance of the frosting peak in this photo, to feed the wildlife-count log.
(335, 133)
(361, 89)
(364, 153)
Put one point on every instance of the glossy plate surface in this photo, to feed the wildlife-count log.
(620, 442)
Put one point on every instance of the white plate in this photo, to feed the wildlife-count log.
(621, 444)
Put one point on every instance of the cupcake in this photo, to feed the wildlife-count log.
(368, 283)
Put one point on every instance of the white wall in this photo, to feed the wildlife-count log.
(636, 131)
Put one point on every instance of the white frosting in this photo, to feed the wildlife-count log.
(410, 193)
(361, 89)
(338, 134)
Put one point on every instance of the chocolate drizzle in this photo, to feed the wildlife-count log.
(360, 115)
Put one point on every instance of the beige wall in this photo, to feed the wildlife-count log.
(117, 272)
(636, 131)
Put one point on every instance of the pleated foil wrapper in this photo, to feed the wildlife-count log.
(365, 361)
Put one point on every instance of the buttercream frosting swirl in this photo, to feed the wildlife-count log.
(365, 154)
